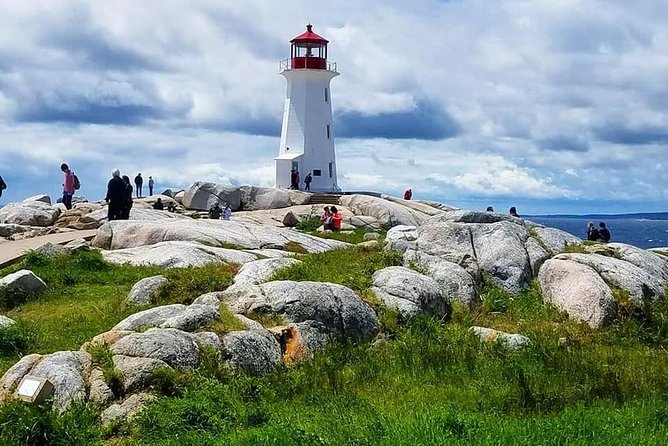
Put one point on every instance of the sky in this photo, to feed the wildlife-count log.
(552, 106)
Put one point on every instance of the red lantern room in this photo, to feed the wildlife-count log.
(308, 50)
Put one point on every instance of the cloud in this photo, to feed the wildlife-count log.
(427, 120)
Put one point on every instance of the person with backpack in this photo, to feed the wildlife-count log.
(115, 196)
(139, 182)
(307, 181)
(603, 233)
(127, 202)
(215, 211)
(151, 183)
(68, 185)
(3, 185)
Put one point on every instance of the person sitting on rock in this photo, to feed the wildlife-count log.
(603, 233)
(592, 232)
(490, 209)
(408, 194)
(158, 204)
(337, 219)
(171, 207)
(3, 186)
(215, 212)
(513, 212)
(227, 212)
(326, 217)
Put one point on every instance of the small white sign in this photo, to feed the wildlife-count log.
(29, 387)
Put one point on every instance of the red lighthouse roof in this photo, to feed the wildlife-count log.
(309, 37)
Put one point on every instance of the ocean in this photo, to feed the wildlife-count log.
(643, 232)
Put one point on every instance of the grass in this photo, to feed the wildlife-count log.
(589, 247)
(86, 295)
(424, 383)
(351, 267)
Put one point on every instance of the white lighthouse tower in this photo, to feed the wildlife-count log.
(307, 134)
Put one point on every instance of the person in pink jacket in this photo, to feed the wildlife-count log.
(68, 185)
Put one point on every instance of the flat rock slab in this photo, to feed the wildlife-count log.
(30, 213)
(128, 234)
(177, 255)
(388, 213)
(259, 271)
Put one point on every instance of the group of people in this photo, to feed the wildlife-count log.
(600, 234)
(160, 206)
(295, 180)
(512, 211)
(119, 195)
(216, 212)
(139, 184)
(331, 218)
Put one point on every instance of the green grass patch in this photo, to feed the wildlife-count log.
(295, 247)
(85, 296)
(351, 267)
(16, 340)
(309, 224)
(226, 323)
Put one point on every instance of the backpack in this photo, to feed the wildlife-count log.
(77, 184)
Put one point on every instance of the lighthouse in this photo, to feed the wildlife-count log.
(307, 133)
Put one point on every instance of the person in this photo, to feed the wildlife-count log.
(490, 209)
(307, 181)
(293, 179)
(326, 217)
(127, 203)
(337, 219)
(513, 212)
(171, 207)
(68, 185)
(227, 212)
(151, 183)
(603, 233)
(297, 179)
(3, 185)
(115, 196)
(215, 211)
(408, 194)
(592, 232)
(158, 204)
(139, 182)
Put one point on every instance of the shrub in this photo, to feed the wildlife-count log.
(309, 224)
(12, 298)
(16, 339)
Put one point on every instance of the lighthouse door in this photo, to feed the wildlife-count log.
(295, 165)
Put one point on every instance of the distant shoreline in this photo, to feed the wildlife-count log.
(635, 215)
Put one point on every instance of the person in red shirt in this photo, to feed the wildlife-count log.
(337, 219)
(68, 185)
(408, 194)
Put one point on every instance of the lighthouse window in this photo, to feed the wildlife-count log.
(329, 133)
(317, 172)
(326, 95)
(331, 170)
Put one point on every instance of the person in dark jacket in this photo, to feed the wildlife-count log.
(307, 181)
(115, 196)
(127, 205)
(139, 182)
(592, 232)
(603, 233)
(513, 212)
(159, 205)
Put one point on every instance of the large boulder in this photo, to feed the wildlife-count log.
(640, 285)
(126, 410)
(334, 309)
(177, 348)
(578, 290)
(410, 292)
(456, 283)
(193, 317)
(388, 213)
(142, 291)
(152, 317)
(29, 213)
(13, 376)
(259, 271)
(129, 234)
(654, 264)
(137, 373)
(255, 198)
(68, 372)
(138, 214)
(251, 352)
(44, 198)
(23, 280)
(9, 229)
(401, 238)
(177, 255)
(202, 195)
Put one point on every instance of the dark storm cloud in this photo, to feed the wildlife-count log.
(563, 143)
(427, 121)
(618, 133)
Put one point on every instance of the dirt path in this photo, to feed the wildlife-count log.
(11, 252)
